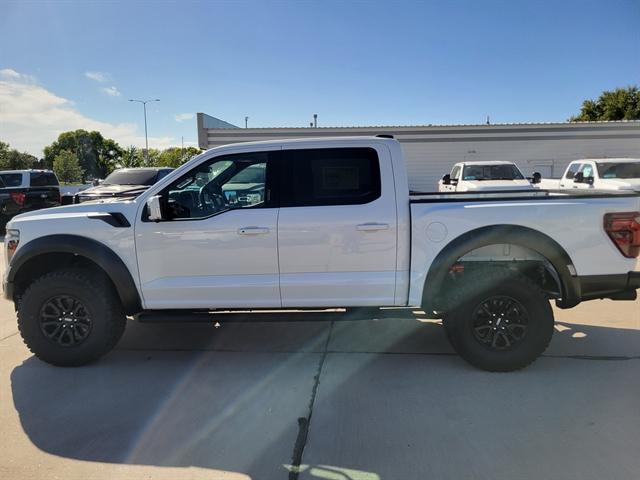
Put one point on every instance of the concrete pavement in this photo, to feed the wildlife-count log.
(381, 399)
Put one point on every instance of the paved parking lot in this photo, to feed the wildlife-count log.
(383, 399)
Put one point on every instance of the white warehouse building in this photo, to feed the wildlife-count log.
(431, 150)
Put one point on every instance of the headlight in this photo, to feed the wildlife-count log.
(11, 241)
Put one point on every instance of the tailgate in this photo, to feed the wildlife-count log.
(42, 197)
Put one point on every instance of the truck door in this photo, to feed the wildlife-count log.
(567, 180)
(337, 227)
(218, 246)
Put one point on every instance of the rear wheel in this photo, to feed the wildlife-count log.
(499, 321)
(70, 318)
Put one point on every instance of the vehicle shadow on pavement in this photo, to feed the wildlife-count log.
(230, 398)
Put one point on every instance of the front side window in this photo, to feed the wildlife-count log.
(224, 183)
(455, 173)
(587, 170)
(573, 169)
(330, 176)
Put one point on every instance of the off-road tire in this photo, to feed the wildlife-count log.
(101, 306)
(461, 320)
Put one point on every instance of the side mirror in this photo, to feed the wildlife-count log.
(154, 208)
(536, 177)
(589, 180)
(446, 180)
(578, 178)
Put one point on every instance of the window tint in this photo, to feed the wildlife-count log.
(330, 176)
(573, 169)
(43, 179)
(491, 172)
(12, 179)
(131, 176)
(213, 187)
(619, 170)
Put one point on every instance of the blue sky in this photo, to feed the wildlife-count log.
(353, 63)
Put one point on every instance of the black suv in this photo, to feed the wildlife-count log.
(27, 190)
(124, 182)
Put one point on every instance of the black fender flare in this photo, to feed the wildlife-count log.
(97, 252)
(496, 234)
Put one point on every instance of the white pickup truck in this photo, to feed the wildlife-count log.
(485, 176)
(330, 224)
(601, 174)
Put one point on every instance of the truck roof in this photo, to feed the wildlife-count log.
(489, 162)
(310, 140)
(608, 160)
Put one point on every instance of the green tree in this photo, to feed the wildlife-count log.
(175, 156)
(131, 158)
(619, 104)
(67, 167)
(97, 155)
(12, 159)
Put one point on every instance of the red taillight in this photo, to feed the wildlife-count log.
(18, 197)
(624, 230)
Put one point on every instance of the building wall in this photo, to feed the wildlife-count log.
(430, 151)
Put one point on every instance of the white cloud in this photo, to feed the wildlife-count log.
(112, 91)
(181, 117)
(11, 75)
(33, 117)
(97, 76)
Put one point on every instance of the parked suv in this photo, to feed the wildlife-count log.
(124, 182)
(28, 190)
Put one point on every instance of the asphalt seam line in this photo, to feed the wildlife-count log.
(305, 422)
(9, 336)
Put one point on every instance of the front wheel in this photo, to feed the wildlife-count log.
(499, 321)
(70, 318)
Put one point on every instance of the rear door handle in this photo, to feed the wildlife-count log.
(253, 230)
(372, 227)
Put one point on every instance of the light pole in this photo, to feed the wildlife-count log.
(146, 139)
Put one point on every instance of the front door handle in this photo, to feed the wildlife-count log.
(253, 230)
(372, 227)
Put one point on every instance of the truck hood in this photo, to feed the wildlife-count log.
(494, 185)
(109, 205)
(114, 190)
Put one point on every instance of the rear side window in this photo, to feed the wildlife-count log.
(43, 179)
(330, 176)
(12, 179)
(573, 169)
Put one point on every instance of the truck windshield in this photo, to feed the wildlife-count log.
(131, 177)
(491, 172)
(619, 170)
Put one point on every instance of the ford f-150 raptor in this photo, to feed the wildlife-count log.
(327, 223)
